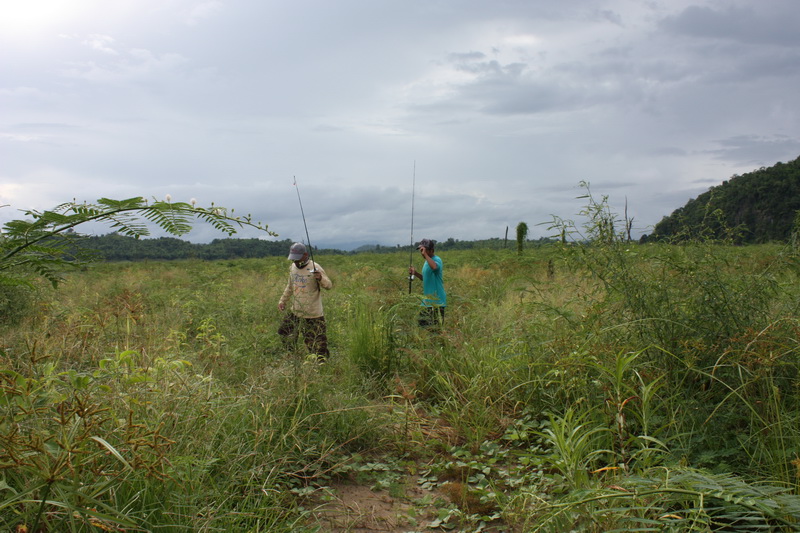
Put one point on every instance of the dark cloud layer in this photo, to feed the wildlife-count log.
(768, 23)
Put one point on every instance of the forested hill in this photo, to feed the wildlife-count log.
(759, 206)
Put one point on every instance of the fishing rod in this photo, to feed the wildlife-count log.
(308, 239)
(411, 251)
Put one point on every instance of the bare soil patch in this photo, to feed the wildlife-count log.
(354, 508)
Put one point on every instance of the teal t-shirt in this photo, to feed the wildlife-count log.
(433, 284)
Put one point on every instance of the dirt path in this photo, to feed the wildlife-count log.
(358, 509)
(411, 505)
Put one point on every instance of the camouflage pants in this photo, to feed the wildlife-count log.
(312, 330)
(431, 317)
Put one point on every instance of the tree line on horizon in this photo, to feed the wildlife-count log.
(116, 247)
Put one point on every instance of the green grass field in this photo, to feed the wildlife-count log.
(612, 387)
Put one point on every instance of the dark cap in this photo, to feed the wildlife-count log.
(297, 251)
(427, 243)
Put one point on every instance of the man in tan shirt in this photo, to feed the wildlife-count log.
(306, 317)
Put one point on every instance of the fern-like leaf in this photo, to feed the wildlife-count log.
(45, 245)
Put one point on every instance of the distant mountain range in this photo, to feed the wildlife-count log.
(757, 207)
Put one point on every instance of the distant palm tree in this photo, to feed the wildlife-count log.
(522, 234)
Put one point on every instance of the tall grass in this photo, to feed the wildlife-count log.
(592, 387)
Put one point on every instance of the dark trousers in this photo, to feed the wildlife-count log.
(431, 317)
(313, 331)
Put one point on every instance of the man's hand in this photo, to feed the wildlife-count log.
(281, 306)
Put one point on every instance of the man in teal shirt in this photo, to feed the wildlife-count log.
(434, 298)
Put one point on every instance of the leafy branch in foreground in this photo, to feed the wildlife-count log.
(45, 244)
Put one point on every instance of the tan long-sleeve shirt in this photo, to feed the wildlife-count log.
(304, 289)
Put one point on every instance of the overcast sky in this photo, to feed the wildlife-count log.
(496, 110)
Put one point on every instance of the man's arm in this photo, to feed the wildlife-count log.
(287, 292)
(428, 258)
